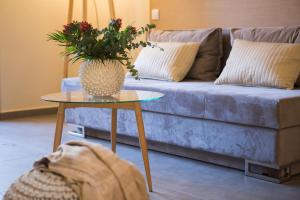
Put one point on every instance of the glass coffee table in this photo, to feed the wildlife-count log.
(126, 99)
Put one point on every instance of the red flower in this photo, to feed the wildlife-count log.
(132, 30)
(67, 28)
(116, 23)
(85, 26)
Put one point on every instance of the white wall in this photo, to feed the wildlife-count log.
(30, 66)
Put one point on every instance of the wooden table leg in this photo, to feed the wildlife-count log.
(143, 142)
(114, 115)
(59, 126)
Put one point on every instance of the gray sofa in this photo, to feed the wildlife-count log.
(258, 127)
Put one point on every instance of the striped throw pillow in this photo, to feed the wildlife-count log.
(262, 64)
(172, 63)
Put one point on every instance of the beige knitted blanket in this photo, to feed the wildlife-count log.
(95, 172)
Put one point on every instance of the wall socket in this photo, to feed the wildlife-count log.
(155, 14)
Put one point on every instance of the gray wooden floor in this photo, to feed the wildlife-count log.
(22, 141)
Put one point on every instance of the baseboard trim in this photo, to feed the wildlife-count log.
(27, 113)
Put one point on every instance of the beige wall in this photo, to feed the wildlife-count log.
(185, 14)
(29, 65)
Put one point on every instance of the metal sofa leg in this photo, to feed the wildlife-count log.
(267, 172)
(77, 130)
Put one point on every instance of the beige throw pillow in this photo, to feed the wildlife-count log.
(173, 63)
(262, 64)
(284, 34)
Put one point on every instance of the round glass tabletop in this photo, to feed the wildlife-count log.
(122, 97)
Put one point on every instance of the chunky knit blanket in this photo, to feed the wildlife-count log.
(94, 172)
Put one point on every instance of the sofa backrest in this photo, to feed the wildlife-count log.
(288, 34)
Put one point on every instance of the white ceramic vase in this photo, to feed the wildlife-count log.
(102, 79)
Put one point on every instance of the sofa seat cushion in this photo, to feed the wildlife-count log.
(264, 107)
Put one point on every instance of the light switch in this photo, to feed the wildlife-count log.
(155, 14)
